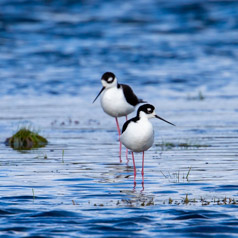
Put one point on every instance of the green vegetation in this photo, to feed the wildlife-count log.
(186, 200)
(170, 200)
(25, 139)
(203, 201)
(33, 193)
(150, 201)
(184, 145)
(176, 176)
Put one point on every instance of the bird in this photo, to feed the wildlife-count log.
(138, 134)
(117, 100)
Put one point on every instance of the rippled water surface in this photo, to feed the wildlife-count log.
(181, 56)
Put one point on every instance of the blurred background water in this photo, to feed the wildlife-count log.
(179, 55)
(58, 47)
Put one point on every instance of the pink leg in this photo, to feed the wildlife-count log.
(119, 133)
(142, 171)
(118, 127)
(134, 167)
(127, 150)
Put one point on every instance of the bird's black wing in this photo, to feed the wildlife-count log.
(134, 119)
(131, 98)
(125, 126)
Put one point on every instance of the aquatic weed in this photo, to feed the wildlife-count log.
(33, 193)
(175, 176)
(25, 139)
(62, 156)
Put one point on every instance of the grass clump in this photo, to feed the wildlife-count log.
(25, 139)
(182, 145)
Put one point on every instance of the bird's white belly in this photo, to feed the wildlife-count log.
(114, 103)
(138, 136)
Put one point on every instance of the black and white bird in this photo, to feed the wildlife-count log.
(117, 100)
(138, 134)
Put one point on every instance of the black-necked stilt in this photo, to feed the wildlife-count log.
(138, 134)
(117, 99)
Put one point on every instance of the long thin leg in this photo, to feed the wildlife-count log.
(127, 150)
(142, 171)
(119, 133)
(118, 127)
(134, 167)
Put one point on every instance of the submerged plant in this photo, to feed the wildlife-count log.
(25, 139)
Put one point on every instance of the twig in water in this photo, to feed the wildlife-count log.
(62, 156)
(188, 173)
(163, 174)
(33, 194)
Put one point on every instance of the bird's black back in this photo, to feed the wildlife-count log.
(131, 98)
(134, 119)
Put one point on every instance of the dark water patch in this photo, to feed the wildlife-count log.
(114, 231)
(24, 198)
(230, 222)
(15, 229)
(75, 180)
(191, 216)
(4, 212)
(198, 214)
(229, 187)
(121, 224)
(213, 229)
(165, 192)
(55, 213)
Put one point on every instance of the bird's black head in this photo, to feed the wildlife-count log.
(108, 80)
(148, 111)
(108, 77)
(146, 108)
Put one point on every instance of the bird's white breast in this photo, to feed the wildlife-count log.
(114, 102)
(138, 136)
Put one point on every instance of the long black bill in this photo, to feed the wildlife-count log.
(164, 120)
(99, 94)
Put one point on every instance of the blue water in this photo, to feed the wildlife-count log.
(179, 55)
(58, 47)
